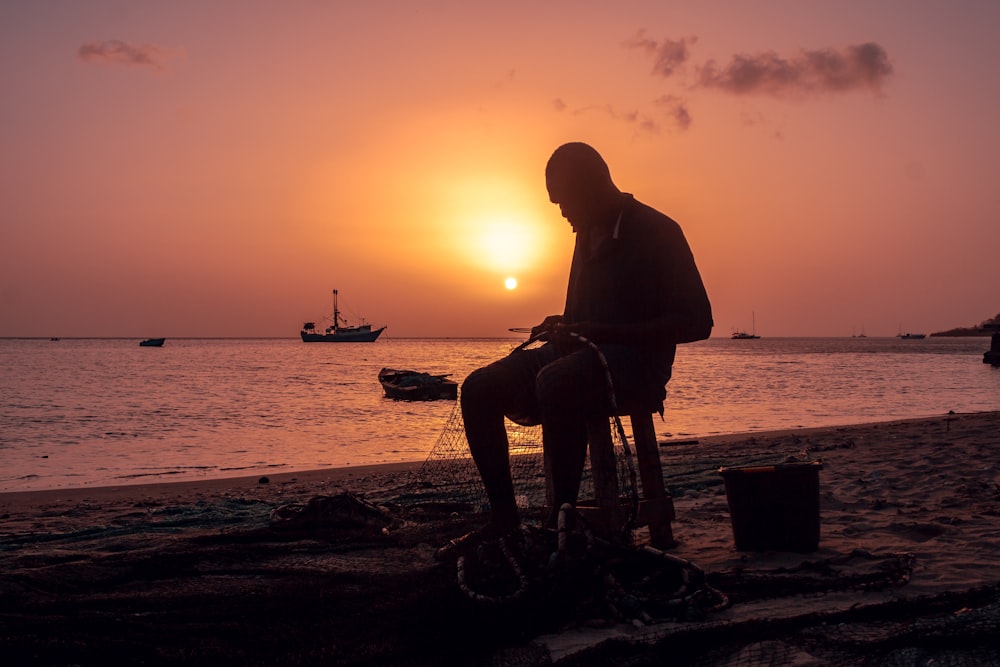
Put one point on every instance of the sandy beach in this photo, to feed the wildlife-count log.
(208, 573)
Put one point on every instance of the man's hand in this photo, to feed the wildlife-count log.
(570, 334)
(548, 325)
(555, 330)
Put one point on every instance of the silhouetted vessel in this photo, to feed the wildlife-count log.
(340, 331)
(416, 386)
(152, 342)
(992, 355)
(743, 335)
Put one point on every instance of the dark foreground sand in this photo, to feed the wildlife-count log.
(197, 573)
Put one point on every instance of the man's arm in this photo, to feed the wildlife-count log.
(666, 328)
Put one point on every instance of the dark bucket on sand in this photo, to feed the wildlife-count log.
(774, 507)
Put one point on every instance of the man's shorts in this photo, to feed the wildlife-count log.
(635, 382)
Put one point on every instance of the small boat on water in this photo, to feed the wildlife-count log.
(404, 385)
(911, 336)
(152, 342)
(743, 335)
(340, 331)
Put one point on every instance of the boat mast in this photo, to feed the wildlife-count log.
(336, 313)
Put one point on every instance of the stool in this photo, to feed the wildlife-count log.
(656, 506)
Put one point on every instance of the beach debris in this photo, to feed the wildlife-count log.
(341, 511)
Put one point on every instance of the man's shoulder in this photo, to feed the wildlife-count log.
(648, 219)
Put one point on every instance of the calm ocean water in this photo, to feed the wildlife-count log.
(91, 412)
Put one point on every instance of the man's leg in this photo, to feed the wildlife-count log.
(505, 387)
(568, 390)
(572, 390)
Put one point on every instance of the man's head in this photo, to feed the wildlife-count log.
(579, 181)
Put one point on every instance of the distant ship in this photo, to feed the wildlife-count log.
(340, 331)
(909, 336)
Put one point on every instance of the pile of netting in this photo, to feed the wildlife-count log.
(574, 574)
(677, 608)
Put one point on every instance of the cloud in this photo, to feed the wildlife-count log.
(804, 74)
(669, 56)
(675, 110)
(807, 73)
(864, 66)
(116, 52)
(644, 123)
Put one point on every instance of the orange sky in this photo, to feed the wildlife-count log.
(216, 169)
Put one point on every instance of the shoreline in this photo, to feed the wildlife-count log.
(344, 474)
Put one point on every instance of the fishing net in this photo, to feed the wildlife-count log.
(450, 473)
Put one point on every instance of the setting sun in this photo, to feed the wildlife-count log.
(510, 283)
(506, 243)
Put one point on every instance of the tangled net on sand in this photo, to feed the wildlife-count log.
(574, 571)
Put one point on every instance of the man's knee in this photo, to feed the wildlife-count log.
(477, 387)
(564, 384)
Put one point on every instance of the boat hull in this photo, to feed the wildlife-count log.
(342, 336)
(152, 342)
(415, 386)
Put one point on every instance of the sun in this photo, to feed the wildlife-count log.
(506, 243)
(510, 282)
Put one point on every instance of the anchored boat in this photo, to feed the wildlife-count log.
(416, 386)
(743, 335)
(340, 331)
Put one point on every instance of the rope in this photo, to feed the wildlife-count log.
(576, 563)
(511, 561)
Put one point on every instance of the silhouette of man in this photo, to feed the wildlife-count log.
(634, 291)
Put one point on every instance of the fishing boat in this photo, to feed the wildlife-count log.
(404, 385)
(743, 335)
(152, 342)
(340, 331)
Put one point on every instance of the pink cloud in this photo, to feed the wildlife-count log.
(117, 52)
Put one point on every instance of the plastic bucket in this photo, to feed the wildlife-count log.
(774, 507)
